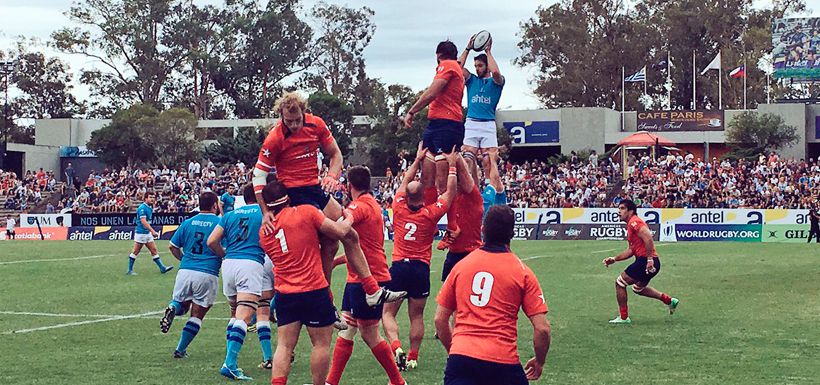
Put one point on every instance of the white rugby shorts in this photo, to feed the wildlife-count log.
(242, 276)
(195, 286)
(480, 134)
(267, 276)
(143, 238)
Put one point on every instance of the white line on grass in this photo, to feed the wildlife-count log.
(65, 325)
(57, 259)
(58, 314)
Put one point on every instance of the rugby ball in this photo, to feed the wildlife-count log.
(481, 40)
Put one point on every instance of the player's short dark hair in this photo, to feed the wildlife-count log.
(630, 205)
(359, 178)
(447, 49)
(499, 225)
(274, 191)
(207, 201)
(482, 58)
(150, 194)
(249, 194)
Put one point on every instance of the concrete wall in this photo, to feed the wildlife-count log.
(38, 156)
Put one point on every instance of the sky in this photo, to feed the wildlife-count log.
(402, 49)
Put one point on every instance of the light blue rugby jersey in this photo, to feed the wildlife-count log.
(143, 211)
(192, 237)
(241, 233)
(228, 202)
(482, 97)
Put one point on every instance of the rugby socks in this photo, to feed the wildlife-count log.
(341, 355)
(279, 381)
(188, 333)
(624, 310)
(413, 355)
(395, 345)
(235, 341)
(158, 262)
(370, 285)
(665, 298)
(228, 332)
(263, 330)
(385, 358)
(430, 195)
(178, 308)
(131, 259)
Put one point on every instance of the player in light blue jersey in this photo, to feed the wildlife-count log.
(228, 200)
(243, 281)
(144, 234)
(197, 279)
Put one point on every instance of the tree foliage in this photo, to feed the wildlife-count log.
(244, 146)
(337, 114)
(752, 133)
(126, 140)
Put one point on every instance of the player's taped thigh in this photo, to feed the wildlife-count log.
(621, 282)
(251, 304)
(440, 158)
(430, 157)
(264, 302)
(638, 289)
(467, 154)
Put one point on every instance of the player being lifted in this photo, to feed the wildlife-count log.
(486, 291)
(144, 235)
(302, 293)
(243, 279)
(198, 275)
(366, 216)
(292, 147)
(640, 272)
(415, 226)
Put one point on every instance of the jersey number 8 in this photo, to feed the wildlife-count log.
(482, 288)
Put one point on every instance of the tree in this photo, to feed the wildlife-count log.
(126, 141)
(244, 146)
(389, 136)
(337, 114)
(132, 40)
(751, 134)
(345, 33)
(172, 136)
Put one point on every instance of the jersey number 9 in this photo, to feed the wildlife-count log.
(482, 288)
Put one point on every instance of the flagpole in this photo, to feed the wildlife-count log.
(720, 82)
(768, 90)
(623, 98)
(669, 76)
(694, 84)
(744, 81)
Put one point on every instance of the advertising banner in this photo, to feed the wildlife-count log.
(583, 232)
(113, 233)
(76, 152)
(533, 132)
(794, 45)
(698, 120)
(46, 220)
(714, 233)
(786, 233)
(127, 219)
(33, 234)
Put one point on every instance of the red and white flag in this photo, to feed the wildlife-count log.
(739, 72)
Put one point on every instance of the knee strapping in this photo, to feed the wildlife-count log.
(620, 282)
(440, 158)
(264, 302)
(250, 304)
(348, 334)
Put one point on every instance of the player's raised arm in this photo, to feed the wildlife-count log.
(331, 150)
(215, 241)
(463, 58)
(466, 179)
(410, 174)
(426, 98)
(452, 178)
(334, 229)
(264, 166)
(492, 65)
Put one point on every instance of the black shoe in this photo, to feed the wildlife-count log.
(178, 354)
(167, 319)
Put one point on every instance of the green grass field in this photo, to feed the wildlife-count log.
(749, 314)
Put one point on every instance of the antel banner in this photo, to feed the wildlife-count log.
(46, 220)
(785, 233)
(113, 233)
(127, 219)
(699, 120)
(661, 216)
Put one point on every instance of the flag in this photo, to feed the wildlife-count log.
(713, 65)
(739, 72)
(639, 76)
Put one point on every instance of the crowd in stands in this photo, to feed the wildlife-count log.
(678, 181)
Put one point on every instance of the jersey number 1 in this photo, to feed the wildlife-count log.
(482, 288)
(283, 243)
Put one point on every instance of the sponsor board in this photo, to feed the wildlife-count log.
(46, 220)
(786, 233)
(33, 233)
(127, 219)
(681, 232)
(697, 120)
(115, 233)
(587, 232)
(533, 132)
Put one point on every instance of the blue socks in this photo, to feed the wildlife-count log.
(159, 263)
(235, 341)
(188, 333)
(178, 308)
(131, 259)
(263, 329)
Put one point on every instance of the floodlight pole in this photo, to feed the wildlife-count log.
(6, 69)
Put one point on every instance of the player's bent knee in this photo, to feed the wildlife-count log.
(620, 282)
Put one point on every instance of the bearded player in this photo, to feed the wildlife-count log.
(415, 226)
(640, 272)
(292, 147)
(366, 216)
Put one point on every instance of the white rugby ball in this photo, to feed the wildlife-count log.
(480, 41)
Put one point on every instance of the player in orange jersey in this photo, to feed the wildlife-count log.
(292, 147)
(468, 210)
(640, 272)
(366, 215)
(414, 227)
(485, 291)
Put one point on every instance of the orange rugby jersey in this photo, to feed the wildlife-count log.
(294, 250)
(469, 210)
(447, 105)
(369, 224)
(637, 246)
(414, 231)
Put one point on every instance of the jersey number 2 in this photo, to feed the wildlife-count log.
(482, 288)
(283, 243)
(411, 229)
